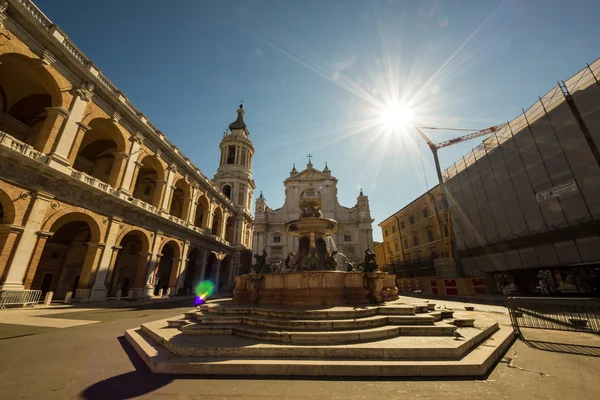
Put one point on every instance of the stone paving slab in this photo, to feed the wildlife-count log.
(39, 317)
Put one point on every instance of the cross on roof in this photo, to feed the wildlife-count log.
(309, 157)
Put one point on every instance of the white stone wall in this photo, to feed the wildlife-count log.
(356, 221)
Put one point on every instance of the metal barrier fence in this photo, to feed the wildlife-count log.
(565, 314)
(19, 297)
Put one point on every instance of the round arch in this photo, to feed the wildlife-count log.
(27, 90)
(7, 208)
(180, 199)
(201, 218)
(143, 235)
(95, 154)
(65, 253)
(146, 186)
(63, 217)
(133, 246)
(227, 191)
(166, 273)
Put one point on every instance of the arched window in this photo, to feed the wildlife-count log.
(227, 191)
(231, 155)
(429, 235)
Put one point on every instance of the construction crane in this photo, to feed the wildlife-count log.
(434, 147)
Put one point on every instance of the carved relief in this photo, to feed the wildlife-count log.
(85, 91)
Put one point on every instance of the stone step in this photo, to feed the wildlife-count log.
(475, 363)
(319, 337)
(423, 349)
(311, 314)
(326, 325)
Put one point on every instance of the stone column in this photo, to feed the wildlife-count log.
(81, 130)
(221, 233)
(63, 146)
(175, 266)
(235, 193)
(183, 267)
(205, 254)
(128, 179)
(219, 265)
(192, 214)
(159, 192)
(152, 264)
(24, 249)
(210, 215)
(118, 168)
(166, 200)
(100, 291)
(42, 238)
(55, 119)
(141, 273)
(8, 236)
(136, 170)
(89, 269)
(110, 275)
(239, 230)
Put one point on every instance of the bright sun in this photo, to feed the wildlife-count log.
(396, 116)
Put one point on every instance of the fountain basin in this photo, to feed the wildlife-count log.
(309, 288)
(305, 226)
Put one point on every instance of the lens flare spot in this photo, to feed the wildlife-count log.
(203, 290)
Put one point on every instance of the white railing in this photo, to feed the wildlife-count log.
(71, 48)
(36, 13)
(97, 183)
(10, 142)
(19, 297)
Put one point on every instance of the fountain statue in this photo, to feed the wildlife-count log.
(315, 274)
(312, 231)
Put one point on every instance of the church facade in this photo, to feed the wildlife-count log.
(94, 199)
(354, 234)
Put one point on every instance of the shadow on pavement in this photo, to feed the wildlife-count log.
(564, 348)
(491, 300)
(131, 384)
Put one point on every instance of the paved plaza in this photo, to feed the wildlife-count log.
(93, 361)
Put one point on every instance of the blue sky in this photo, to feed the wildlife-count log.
(314, 75)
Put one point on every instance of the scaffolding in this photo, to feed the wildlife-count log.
(537, 177)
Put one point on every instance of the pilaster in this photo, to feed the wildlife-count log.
(154, 260)
(100, 291)
(70, 129)
(166, 201)
(89, 269)
(183, 266)
(24, 249)
(127, 180)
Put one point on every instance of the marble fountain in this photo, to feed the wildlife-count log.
(319, 315)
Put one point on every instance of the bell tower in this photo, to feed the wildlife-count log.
(234, 177)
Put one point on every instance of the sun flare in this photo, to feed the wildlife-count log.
(396, 116)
